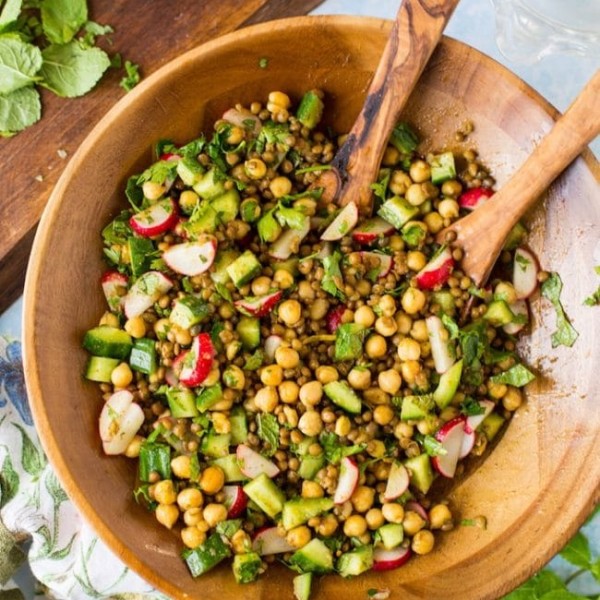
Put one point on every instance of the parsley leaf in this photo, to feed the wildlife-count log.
(349, 339)
(268, 431)
(380, 188)
(255, 361)
(565, 334)
(132, 76)
(471, 407)
(431, 446)
(334, 450)
(290, 217)
(332, 281)
(517, 376)
(158, 172)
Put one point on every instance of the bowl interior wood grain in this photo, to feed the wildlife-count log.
(543, 477)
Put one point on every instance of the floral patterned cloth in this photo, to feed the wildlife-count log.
(65, 555)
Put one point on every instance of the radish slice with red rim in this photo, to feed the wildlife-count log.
(343, 224)
(451, 436)
(347, 481)
(385, 560)
(521, 311)
(372, 230)
(191, 258)
(258, 306)
(144, 292)
(289, 241)
(437, 271)
(271, 344)
(119, 422)
(114, 286)
(235, 500)
(156, 219)
(377, 263)
(418, 508)
(252, 464)
(243, 118)
(334, 318)
(197, 362)
(397, 483)
(268, 541)
(474, 197)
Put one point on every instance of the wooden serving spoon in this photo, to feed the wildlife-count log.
(482, 233)
(417, 29)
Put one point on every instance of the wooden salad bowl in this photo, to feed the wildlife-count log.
(540, 481)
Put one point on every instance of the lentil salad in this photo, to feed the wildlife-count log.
(292, 377)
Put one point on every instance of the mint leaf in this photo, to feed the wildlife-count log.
(349, 339)
(268, 431)
(595, 569)
(19, 110)
(543, 583)
(518, 376)
(10, 13)
(93, 30)
(561, 595)
(71, 70)
(334, 449)
(62, 19)
(132, 77)
(565, 334)
(19, 63)
(578, 552)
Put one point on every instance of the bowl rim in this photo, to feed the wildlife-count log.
(49, 442)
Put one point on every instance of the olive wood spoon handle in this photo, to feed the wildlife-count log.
(416, 31)
(482, 233)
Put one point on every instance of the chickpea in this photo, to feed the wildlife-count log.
(288, 392)
(512, 399)
(403, 430)
(214, 513)
(240, 542)
(286, 357)
(399, 182)
(167, 514)
(404, 323)
(376, 448)
(153, 190)
(413, 301)
(291, 416)
(121, 375)
(133, 449)
(221, 422)
(360, 378)
(283, 279)
(439, 515)
(409, 349)
(234, 378)
(364, 316)
(391, 156)
(327, 526)
(362, 499)
(376, 396)
(311, 489)
(213, 377)
(410, 371)
(383, 414)
(393, 512)
(355, 525)
(193, 516)
(419, 331)
(448, 208)
(343, 426)
(305, 291)
(416, 194)
(190, 498)
(299, 536)
(422, 542)
(192, 537)
(310, 423)
(212, 480)
(416, 260)
(255, 168)
(181, 466)
(434, 222)
(412, 522)
(136, 327)
(497, 391)
(280, 186)
(419, 171)
(188, 200)
(387, 305)
(451, 188)
(183, 336)
(318, 309)
(279, 100)
(327, 374)
(506, 291)
(261, 285)
(290, 312)
(311, 393)
(272, 375)
(374, 518)
(376, 346)
(266, 399)
(386, 326)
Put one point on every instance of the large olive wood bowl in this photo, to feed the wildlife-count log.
(539, 482)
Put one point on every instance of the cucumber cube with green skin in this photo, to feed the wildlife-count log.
(239, 426)
(154, 458)
(491, 425)
(391, 535)
(230, 466)
(498, 313)
(420, 471)
(315, 557)
(341, 394)
(415, 408)
(398, 211)
(310, 466)
(299, 510)
(182, 402)
(190, 171)
(204, 220)
(189, 311)
(206, 556)
(216, 445)
(100, 368)
(210, 185)
(310, 110)
(442, 168)
(445, 300)
(448, 384)
(248, 328)
(208, 397)
(141, 251)
(266, 495)
(223, 259)
(108, 341)
(246, 567)
(302, 584)
(404, 139)
(227, 205)
(355, 561)
(143, 356)
(244, 268)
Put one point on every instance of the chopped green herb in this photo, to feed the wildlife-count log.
(290, 217)
(565, 334)
(335, 450)
(431, 446)
(132, 76)
(404, 138)
(517, 376)
(332, 281)
(349, 339)
(263, 62)
(380, 188)
(255, 361)
(268, 431)
(159, 172)
(93, 30)
(471, 407)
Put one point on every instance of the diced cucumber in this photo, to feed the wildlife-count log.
(154, 458)
(227, 205)
(182, 402)
(290, 265)
(404, 139)
(391, 535)
(299, 510)
(442, 168)
(315, 557)
(216, 445)
(491, 425)
(421, 473)
(230, 466)
(248, 328)
(229, 527)
(239, 426)
(206, 556)
(246, 567)
(244, 268)
(515, 237)
(445, 300)
(341, 394)
(99, 368)
(302, 585)
(355, 561)
(222, 261)
(265, 494)
(189, 311)
(210, 185)
(397, 211)
(190, 171)
(310, 466)
(143, 356)
(141, 250)
(310, 111)
(301, 449)
(498, 313)
(108, 341)
(208, 397)
(204, 220)
(448, 384)
(414, 233)
(415, 408)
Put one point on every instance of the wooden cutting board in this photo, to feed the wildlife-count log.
(147, 32)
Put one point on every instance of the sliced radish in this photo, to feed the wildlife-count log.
(386, 560)
(467, 444)
(519, 309)
(397, 483)
(374, 260)
(170, 156)
(289, 241)
(198, 361)
(252, 464)
(334, 318)
(155, 219)
(120, 419)
(114, 286)
(144, 292)
(437, 271)
(347, 481)
(191, 258)
(451, 436)
(268, 540)
(343, 224)
(235, 500)
(473, 197)
(258, 306)
(271, 344)
(418, 508)
(371, 230)
(525, 272)
(442, 349)
(243, 118)
(474, 421)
